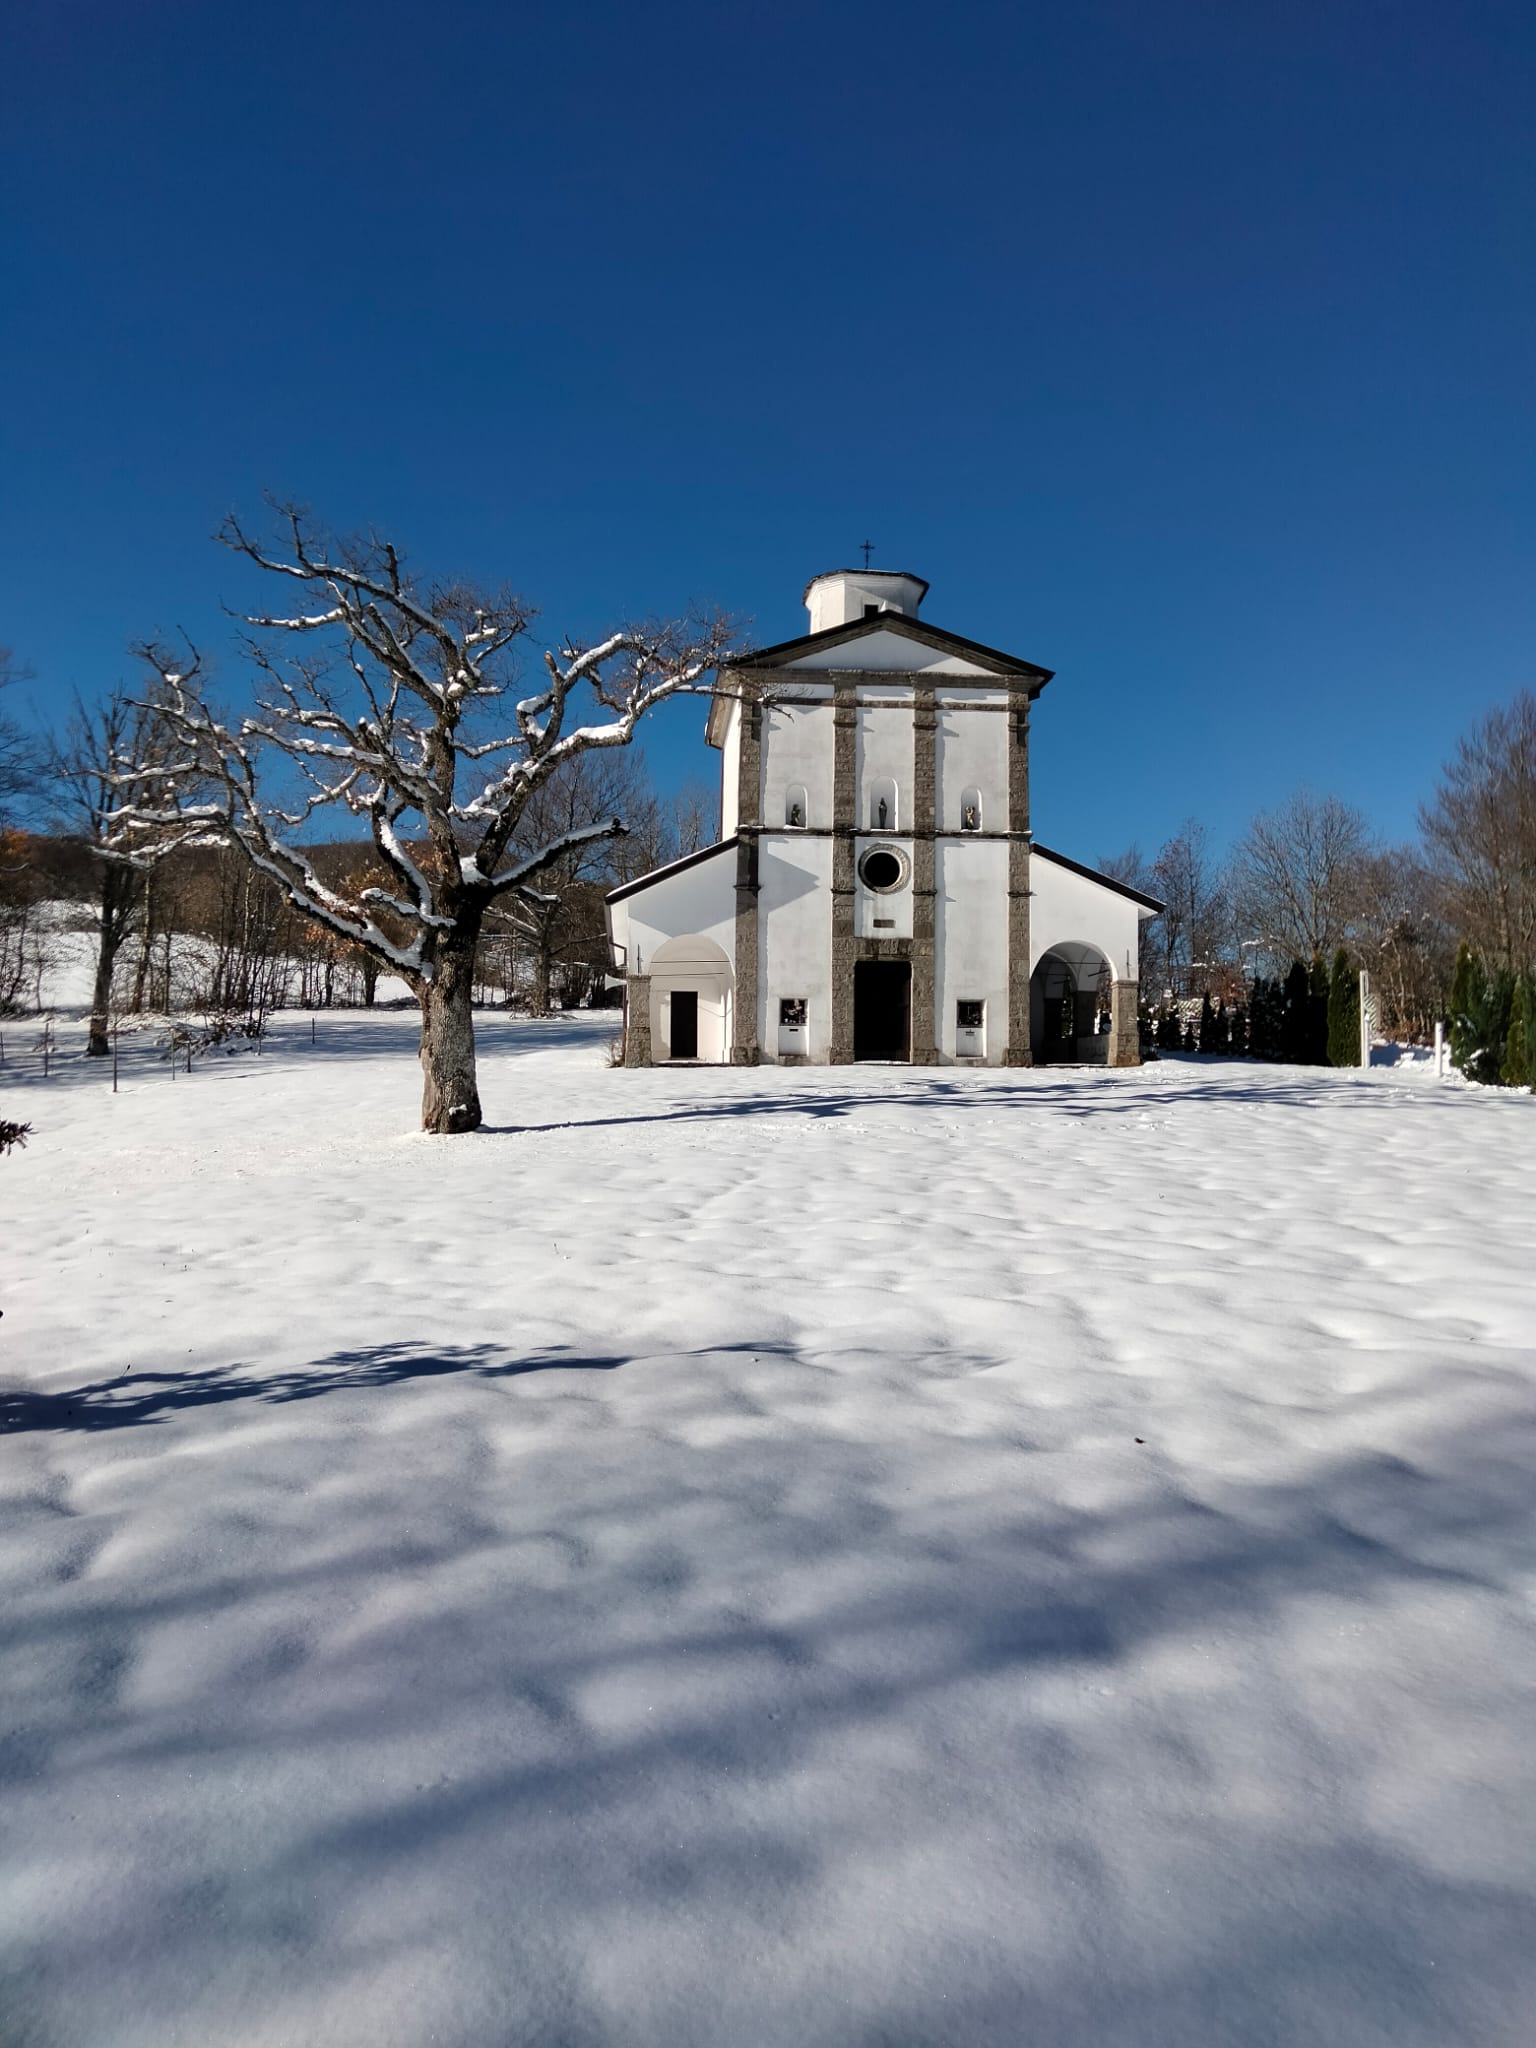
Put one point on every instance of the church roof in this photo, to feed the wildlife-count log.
(792, 653)
(689, 860)
(1093, 875)
(673, 867)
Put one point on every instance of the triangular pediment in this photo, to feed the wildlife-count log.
(894, 654)
(891, 643)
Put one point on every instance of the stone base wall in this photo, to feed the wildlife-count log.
(1124, 1034)
(637, 1021)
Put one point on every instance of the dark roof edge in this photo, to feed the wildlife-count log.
(1093, 875)
(673, 867)
(920, 630)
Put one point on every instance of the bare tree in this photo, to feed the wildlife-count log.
(1402, 937)
(695, 817)
(560, 925)
(118, 738)
(1129, 867)
(407, 717)
(1184, 944)
(20, 754)
(1297, 875)
(22, 935)
(1481, 835)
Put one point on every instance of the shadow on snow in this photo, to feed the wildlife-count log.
(885, 1631)
(137, 1397)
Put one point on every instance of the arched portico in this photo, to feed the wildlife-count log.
(692, 988)
(1069, 1007)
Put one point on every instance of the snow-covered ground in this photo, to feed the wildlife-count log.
(779, 1557)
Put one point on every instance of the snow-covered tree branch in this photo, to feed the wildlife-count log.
(398, 701)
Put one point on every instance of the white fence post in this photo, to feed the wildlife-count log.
(1439, 1050)
(1367, 1018)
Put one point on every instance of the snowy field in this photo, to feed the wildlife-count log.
(795, 1558)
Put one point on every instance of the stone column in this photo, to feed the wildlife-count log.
(1018, 1053)
(637, 1021)
(745, 1048)
(844, 807)
(1124, 1034)
(926, 1037)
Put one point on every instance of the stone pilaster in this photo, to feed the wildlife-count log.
(926, 1036)
(1017, 1053)
(844, 819)
(1124, 1035)
(745, 1046)
(637, 1021)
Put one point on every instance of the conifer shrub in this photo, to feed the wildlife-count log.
(1343, 1013)
(1469, 992)
(1517, 1069)
(1296, 1017)
(1488, 1011)
(1263, 1024)
(1317, 1013)
(1205, 1039)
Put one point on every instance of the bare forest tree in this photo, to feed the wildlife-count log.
(1297, 875)
(20, 755)
(20, 895)
(695, 818)
(1402, 937)
(1195, 928)
(1188, 946)
(118, 737)
(559, 927)
(394, 699)
(1481, 835)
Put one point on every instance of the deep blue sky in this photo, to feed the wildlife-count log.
(1186, 349)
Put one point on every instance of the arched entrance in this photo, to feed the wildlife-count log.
(1069, 1007)
(692, 985)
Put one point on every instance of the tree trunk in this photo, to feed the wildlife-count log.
(146, 940)
(450, 1100)
(98, 1045)
(114, 909)
(542, 950)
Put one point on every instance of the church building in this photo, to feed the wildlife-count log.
(877, 893)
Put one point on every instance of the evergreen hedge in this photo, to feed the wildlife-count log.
(1343, 1013)
(1493, 1023)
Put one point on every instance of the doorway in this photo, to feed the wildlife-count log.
(1068, 1001)
(685, 1024)
(882, 1009)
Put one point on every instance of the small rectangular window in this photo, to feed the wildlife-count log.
(969, 1015)
(792, 1010)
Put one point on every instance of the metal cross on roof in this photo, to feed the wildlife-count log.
(869, 547)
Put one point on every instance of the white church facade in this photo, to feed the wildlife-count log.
(877, 892)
